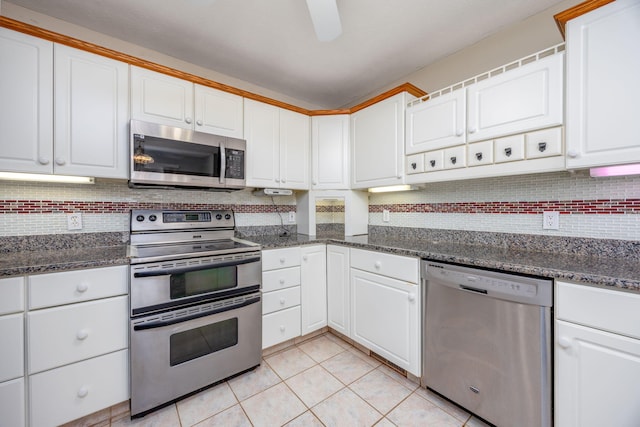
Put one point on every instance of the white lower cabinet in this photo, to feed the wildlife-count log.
(280, 326)
(12, 407)
(338, 289)
(313, 282)
(597, 357)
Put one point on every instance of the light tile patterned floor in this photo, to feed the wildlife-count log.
(320, 382)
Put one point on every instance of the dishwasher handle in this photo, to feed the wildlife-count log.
(470, 289)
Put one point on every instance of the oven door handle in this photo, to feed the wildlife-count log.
(169, 271)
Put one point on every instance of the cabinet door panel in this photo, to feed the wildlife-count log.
(280, 326)
(313, 277)
(280, 258)
(262, 132)
(279, 300)
(338, 288)
(26, 110)
(12, 405)
(294, 150)
(218, 112)
(12, 352)
(330, 152)
(11, 295)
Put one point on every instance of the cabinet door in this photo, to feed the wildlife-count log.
(162, 99)
(436, 123)
(91, 114)
(338, 307)
(313, 277)
(12, 407)
(385, 317)
(218, 112)
(26, 110)
(377, 137)
(330, 152)
(12, 352)
(294, 150)
(597, 378)
(603, 66)
(262, 132)
(516, 101)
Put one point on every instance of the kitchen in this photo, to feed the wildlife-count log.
(591, 208)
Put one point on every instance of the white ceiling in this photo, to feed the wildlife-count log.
(271, 43)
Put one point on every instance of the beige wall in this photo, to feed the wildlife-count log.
(53, 24)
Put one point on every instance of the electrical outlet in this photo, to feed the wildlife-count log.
(551, 220)
(292, 216)
(385, 215)
(74, 221)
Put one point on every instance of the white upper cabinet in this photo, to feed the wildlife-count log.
(277, 147)
(516, 101)
(26, 110)
(377, 138)
(91, 114)
(603, 65)
(167, 100)
(437, 123)
(330, 152)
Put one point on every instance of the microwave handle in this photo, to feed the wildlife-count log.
(223, 162)
(169, 271)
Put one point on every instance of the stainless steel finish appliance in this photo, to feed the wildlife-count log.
(487, 343)
(196, 305)
(175, 157)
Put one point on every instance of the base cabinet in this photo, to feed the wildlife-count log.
(313, 283)
(12, 407)
(338, 289)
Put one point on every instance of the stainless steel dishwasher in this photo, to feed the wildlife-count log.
(487, 342)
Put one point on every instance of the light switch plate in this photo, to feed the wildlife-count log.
(385, 215)
(551, 220)
(292, 216)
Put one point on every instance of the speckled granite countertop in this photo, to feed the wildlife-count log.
(614, 272)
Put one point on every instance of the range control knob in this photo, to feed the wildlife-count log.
(219, 217)
(152, 218)
(227, 216)
(140, 218)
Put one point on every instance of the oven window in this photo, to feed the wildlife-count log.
(203, 281)
(198, 342)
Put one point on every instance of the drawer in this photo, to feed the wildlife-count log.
(280, 258)
(73, 391)
(62, 335)
(47, 290)
(509, 149)
(395, 266)
(280, 279)
(11, 295)
(415, 163)
(605, 309)
(480, 153)
(455, 157)
(280, 326)
(12, 349)
(279, 300)
(12, 408)
(544, 143)
(433, 161)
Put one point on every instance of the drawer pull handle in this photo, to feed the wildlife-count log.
(82, 287)
(377, 264)
(414, 165)
(282, 328)
(83, 391)
(282, 260)
(282, 281)
(304, 258)
(479, 156)
(507, 152)
(432, 163)
(82, 334)
(282, 301)
(454, 160)
(542, 146)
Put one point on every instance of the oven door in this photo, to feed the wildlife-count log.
(163, 285)
(179, 352)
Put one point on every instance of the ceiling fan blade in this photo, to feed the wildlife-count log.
(326, 19)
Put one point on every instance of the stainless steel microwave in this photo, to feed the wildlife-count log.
(176, 157)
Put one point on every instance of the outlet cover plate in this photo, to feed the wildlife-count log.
(292, 216)
(551, 220)
(385, 215)
(74, 221)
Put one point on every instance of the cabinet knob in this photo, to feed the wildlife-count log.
(283, 180)
(282, 281)
(282, 260)
(82, 334)
(414, 165)
(277, 179)
(199, 122)
(282, 301)
(83, 391)
(542, 146)
(304, 257)
(459, 132)
(564, 342)
(188, 120)
(412, 297)
(472, 130)
(479, 156)
(454, 160)
(432, 163)
(377, 264)
(572, 153)
(60, 161)
(315, 182)
(43, 160)
(507, 151)
(82, 287)
(282, 328)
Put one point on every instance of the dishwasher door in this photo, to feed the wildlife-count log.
(487, 343)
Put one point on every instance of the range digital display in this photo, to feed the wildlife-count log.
(172, 217)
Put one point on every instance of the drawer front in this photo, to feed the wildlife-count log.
(73, 391)
(455, 157)
(509, 149)
(608, 310)
(12, 408)
(415, 163)
(11, 295)
(280, 326)
(395, 266)
(12, 349)
(280, 258)
(279, 279)
(279, 300)
(62, 335)
(433, 161)
(480, 153)
(47, 290)
(544, 143)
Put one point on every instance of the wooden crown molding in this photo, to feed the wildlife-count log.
(42, 33)
(580, 9)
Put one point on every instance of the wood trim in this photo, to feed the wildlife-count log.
(42, 33)
(580, 9)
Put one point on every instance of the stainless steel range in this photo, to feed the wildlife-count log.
(196, 306)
